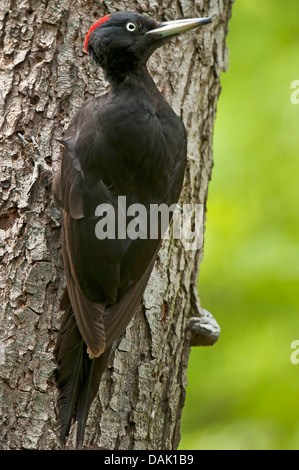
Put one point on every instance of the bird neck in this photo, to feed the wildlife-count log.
(135, 79)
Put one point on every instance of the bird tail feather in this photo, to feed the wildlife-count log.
(78, 376)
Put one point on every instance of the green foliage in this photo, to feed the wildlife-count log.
(244, 392)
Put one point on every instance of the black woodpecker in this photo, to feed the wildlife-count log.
(129, 143)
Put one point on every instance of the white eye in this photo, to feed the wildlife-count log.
(131, 27)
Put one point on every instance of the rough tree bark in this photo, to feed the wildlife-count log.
(45, 77)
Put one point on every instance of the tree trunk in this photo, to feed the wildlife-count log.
(45, 77)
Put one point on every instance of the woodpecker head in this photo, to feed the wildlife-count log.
(123, 41)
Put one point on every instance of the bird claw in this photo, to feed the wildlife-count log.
(35, 153)
(90, 355)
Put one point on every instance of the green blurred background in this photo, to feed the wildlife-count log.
(243, 392)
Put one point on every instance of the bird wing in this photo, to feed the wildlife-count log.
(106, 278)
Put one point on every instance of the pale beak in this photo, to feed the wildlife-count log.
(171, 28)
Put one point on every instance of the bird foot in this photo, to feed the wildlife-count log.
(37, 157)
(91, 356)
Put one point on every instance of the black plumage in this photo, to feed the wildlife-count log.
(128, 143)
